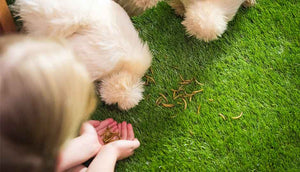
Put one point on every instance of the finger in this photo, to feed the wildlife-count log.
(130, 133)
(135, 143)
(101, 131)
(114, 128)
(87, 128)
(94, 123)
(112, 124)
(124, 131)
(105, 123)
(120, 129)
(100, 139)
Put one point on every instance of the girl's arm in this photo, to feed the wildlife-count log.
(87, 145)
(79, 168)
(109, 154)
(105, 160)
(79, 149)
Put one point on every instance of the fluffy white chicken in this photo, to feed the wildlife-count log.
(103, 38)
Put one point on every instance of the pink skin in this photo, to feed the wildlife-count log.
(110, 153)
(126, 131)
(107, 155)
(101, 126)
(86, 145)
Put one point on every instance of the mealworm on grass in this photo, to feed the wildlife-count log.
(185, 82)
(197, 91)
(222, 116)
(199, 83)
(164, 97)
(168, 105)
(185, 104)
(190, 98)
(180, 88)
(188, 95)
(179, 95)
(149, 77)
(174, 94)
(181, 78)
(179, 103)
(151, 70)
(158, 100)
(237, 117)
(198, 110)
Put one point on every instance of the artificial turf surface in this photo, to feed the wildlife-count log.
(253, 68)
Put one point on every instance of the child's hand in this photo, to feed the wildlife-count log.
(125, 147)
(86, 145)
(109, 154)
(101, 126)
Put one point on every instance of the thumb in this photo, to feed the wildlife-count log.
(87, 128)
(135, 143)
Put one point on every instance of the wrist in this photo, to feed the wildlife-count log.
(110, 150)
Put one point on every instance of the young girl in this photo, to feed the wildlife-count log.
(45, 95)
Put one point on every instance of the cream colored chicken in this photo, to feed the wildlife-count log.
(102, 36)
(205, 19)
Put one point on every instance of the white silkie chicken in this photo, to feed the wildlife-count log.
(102, 36)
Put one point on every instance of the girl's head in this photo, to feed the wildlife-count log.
(45, 94)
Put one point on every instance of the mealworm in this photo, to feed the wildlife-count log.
(222, 116)
(237, 117)
(149, 77)
(188, 95)
(151, 70)
(197, 91)
(198, 111)
(179, 95)
(174, 92)
(181, 78)
(164, 97)
(185, 82)
(185, 104)
(199, 83)
(168, 105)
(158, 100)
(180, 88)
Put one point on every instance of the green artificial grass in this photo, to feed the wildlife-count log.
(253, 68)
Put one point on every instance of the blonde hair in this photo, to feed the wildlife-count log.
(45, 95)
